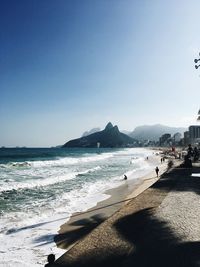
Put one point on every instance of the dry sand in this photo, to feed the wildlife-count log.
(81, 224)
(139, 234)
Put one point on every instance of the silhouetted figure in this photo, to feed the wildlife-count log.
(170, 164)
(161, 160)
(157, 171)
(196, 154)
(147, 158)
(50, 259)
(190, 151)
(125, 177)
(187, 162)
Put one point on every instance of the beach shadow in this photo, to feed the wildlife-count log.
(44, 240)
(153, 244)
(180, 179)
(82, 228)
(32, 226)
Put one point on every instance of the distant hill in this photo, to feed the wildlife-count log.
(126, 132)
(109, 137)
(154, 132)
(94, 130)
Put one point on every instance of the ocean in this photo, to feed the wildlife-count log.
(40, 188)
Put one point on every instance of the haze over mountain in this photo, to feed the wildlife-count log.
(93, 130)
(154, 132)
(109, 137)
(146, 132)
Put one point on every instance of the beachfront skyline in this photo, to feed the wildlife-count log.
(69, 66)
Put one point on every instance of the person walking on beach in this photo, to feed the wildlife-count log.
(125, 177)
(157, 171)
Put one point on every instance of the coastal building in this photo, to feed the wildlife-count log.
(165, 139)
(177, 138)
(186, 138)
(194, 134)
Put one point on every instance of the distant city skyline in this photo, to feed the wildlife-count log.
(69, 66)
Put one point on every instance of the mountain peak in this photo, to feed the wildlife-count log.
(109, 137)
(109, 126)
(115, 128)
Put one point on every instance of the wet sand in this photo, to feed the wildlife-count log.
(153, 229)
(81, 224)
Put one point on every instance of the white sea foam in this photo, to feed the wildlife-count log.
(58, 162)
(32, 238)
(70, 160)
(196, 174)
(10, 185)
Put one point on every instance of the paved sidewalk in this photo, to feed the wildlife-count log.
(160, 227)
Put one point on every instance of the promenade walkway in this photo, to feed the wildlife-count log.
(160, 227)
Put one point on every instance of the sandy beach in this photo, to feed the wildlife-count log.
(156, 224)
(81, 224)
(60, 188)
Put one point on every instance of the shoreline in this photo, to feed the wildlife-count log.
(34, 235)
(81, 224)
(157, 228)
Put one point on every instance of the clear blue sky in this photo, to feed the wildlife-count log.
(68, 66)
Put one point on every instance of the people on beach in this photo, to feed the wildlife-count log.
(195, 154)
(190, 150)
(125, 177)
(147, 158)
(157, 170)
(50, 259)
(161, 160)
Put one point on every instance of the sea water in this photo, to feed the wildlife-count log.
(40, 188)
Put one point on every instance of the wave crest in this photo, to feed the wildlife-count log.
(57, 162)
(45, 182)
